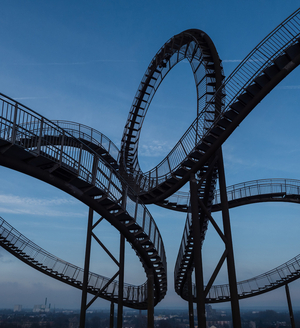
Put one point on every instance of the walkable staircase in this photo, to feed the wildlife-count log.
(270, 62)
(33, 145)
(33, 255)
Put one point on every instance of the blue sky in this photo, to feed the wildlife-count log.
(83, 62)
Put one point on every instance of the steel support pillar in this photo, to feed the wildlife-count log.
(86, 269)
(121, 282)
(235, 308)
(197, 251)
(150, 288)
(111, 315)
(191, 303)
(288, 297)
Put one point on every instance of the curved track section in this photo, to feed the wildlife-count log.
(256, 191)
(273, 59)
(263, 283)
(266, 65)
(196, 47)
(30, 253)
(265, 190)
(94, 139)
(31, 144)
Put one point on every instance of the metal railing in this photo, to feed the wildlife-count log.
(278, 190)
(178, 48)
(41, 137)
(45, 261)
(81, 131)
(243, 190)
(260, 187)
(252, 66)
(257, 285)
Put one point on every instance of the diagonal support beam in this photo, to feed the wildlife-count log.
(215, 273)
(211, 219)
(102, 289)
(105, 249)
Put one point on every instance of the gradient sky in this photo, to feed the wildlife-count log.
(70, 60)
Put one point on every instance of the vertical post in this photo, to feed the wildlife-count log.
(112, 314)
(121, 282)
(288, 297)
(197, 253)
(150, 287)
(191, 304)
(39, 144)
(86, 269)
(235, 308)
(14, 129)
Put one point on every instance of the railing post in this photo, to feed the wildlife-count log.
(14, 132)
(61, 148)
(79, 159)
(39, 145)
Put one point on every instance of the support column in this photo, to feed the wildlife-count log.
(150, 287)
(191, 303)
(288, 297)
(197, 251)
(235, 308)
(86, 269)
(112, 315)
(121, 282)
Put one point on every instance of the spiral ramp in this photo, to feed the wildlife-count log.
(36, 257)
(265, 66)
(251, 192)
(115, 187)
(31, 144)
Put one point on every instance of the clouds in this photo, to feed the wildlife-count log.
(53, 207)
(155, 148)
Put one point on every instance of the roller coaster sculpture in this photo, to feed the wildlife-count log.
(87, 165)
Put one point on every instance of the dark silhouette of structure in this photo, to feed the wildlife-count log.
(85, 164)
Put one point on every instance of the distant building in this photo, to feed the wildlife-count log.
(18, 308)
(38, 308)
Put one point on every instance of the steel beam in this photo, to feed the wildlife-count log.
(150, 287)
(191, 303)
(112, 314)
(235, 308)
(197, 253)
(86, 269)
(288, 297)
(121, 282)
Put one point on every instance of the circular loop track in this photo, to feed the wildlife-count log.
(82, 163)
(197, 48)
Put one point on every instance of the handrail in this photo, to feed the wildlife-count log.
(39, 136)
(45, 261)
(262, 283)
(79, 130)
(186, 45)
(244, 189)
(278, 190)
(258, 59)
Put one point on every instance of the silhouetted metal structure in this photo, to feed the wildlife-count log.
(84, 163)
